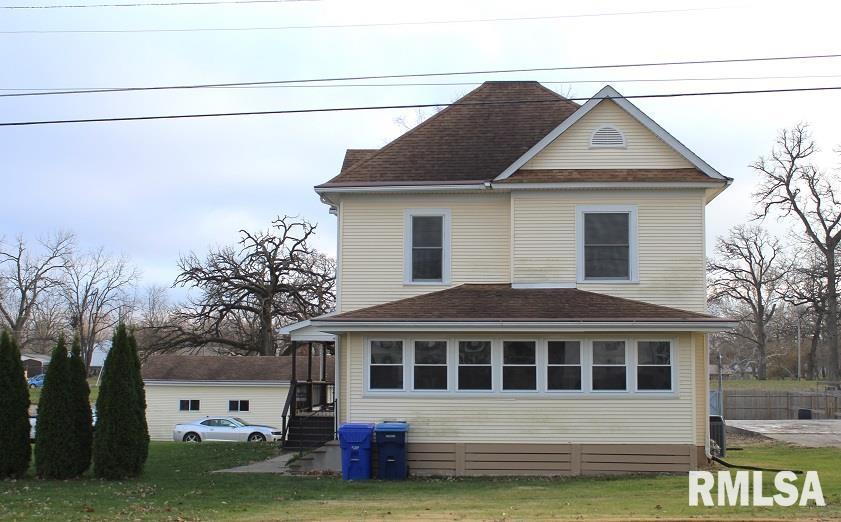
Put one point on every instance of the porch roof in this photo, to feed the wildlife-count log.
(493, 304)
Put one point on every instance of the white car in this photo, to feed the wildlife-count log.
(228, 429)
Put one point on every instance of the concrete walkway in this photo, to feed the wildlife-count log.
(809, 433)
(278, 465)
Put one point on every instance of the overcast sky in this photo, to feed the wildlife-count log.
(152, 190)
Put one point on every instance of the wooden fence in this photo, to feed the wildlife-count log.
(773, 405)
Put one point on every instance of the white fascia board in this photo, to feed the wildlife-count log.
(608, 92)
(305, 331)
(521, 326)
(159, 382)
(609, 185)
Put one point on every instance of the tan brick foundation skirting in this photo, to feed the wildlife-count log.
(473, 459)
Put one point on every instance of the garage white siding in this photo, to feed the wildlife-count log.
(162, 404)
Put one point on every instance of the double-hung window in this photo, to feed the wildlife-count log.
(609, 366)
(427, 246)
(519, 365)
(607, 244)
(386, 365)
(654, 365)
(563, 365)
(430, 372)
(474, 366)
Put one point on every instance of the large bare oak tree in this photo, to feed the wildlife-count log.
(793, 186)
(241, 295)
(749, 269)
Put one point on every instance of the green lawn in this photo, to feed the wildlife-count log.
(768, 385)
(177, 485)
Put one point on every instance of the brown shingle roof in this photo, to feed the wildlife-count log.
(354, 156)
(627, 175)
(227, 368)
(501, 302)
(462, 144)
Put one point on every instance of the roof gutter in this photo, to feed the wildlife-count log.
(709, 326)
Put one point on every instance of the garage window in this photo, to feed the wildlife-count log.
(238, 405)
(189, 405)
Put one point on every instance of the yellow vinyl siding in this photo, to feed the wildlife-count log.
(702, 381)
(531, 419)
(372, 229)
(571, 150)
(162, 403)
(670, 242)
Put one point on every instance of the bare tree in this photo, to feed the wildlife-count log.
(97, 288)
(749, 270)
(793, 186)
(26, 275)
(247, 292)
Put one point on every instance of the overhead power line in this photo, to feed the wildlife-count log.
(150, 4)
(32, 90)
(426, 75)
(406, 106)
(358, 25)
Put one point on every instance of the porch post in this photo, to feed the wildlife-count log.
(293, 385)
(309, 376)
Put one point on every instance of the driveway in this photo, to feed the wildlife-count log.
(810, 433)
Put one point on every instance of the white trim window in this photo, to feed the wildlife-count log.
(430, 366)
(654, 366)
(385, 371)
(475, 366)
(189, 405)
(610, 366)
(519, 365)
(239, 405)
(563, 366)
(427, 246)
(606, 239)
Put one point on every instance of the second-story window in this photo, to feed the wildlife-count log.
(427, 246)
(607, 244)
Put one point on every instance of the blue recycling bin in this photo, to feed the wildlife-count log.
(391, 449)
(355, 440)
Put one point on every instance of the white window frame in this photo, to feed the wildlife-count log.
(496, 372)
(612, 127)
(239, 405)
(189, 405)
(446, 365)
(405, 363)
(633, 242)
(582, 364)
(630, 368)
(672, 363)
(446, 241)
(537, 364)
(631, 390)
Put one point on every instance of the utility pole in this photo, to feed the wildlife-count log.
(798, 345)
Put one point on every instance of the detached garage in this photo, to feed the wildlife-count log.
(181, 388)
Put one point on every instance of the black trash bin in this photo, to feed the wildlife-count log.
(718, 436)
(804, 414)
(391, 448)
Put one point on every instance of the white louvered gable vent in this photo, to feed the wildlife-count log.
(607, 137)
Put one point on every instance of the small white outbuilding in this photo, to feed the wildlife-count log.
(182, 388)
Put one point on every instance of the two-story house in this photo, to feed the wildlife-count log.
(522, 279)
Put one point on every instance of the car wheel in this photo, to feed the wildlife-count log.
(192, 437)
(256, 437)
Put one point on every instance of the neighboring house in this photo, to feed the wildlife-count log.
(34, 363)
(725, 374)
(522, 279)
(100, 353)
(181, 388)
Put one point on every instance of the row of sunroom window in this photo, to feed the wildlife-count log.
(475, 365)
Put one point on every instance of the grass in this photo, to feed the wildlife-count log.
(768, 385)
(177, 485)
(35, 393)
